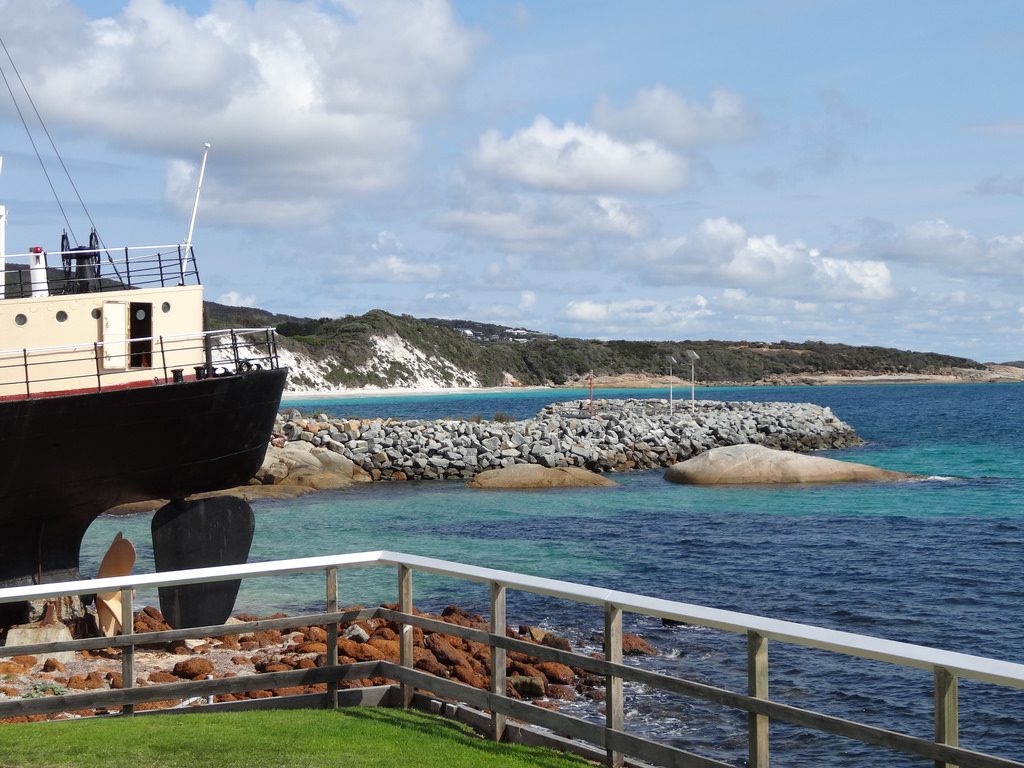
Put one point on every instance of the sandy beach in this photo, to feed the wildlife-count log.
(990, 374)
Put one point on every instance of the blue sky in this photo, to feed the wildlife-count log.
(844, 171)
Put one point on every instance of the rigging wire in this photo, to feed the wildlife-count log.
(56, 151)
(32, 139)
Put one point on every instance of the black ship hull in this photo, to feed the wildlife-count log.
(64, 460)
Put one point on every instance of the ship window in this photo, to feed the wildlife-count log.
(95, 313)
(20, 319)
(140, 329)
(62, 316)
(166, 307)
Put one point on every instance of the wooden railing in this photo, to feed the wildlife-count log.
(944, 667)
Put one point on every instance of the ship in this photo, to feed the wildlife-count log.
(113, 391)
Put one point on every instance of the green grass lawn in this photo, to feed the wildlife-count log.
(355, 737)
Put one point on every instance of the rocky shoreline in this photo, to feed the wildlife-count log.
(248, 653)
(619, 435)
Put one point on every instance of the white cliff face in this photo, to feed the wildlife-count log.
(399, 364)
(393, 362)
(305, 372)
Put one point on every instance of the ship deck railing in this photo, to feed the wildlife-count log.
(609, 740)
(100, 270)
(58, 370)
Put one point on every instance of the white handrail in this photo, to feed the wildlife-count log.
(117, 249)
(864, 646)
(90, 345)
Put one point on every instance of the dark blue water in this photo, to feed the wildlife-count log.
(936, 562)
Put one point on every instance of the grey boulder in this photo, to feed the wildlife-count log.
(752, 464)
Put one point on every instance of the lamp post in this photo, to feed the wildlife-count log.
(671, 405)
(694, 357)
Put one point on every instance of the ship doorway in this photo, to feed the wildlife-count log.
(115, 336)
(140, 331)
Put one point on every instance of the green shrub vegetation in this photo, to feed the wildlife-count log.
(493, 351)
(357, 737)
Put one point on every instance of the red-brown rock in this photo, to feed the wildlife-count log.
(89, 682)
(359, 651)
(309, 647)
(52, 665)
(634, 645)
(563, 692)
(389, 648)
(557, 673)
(316, 634)
(425, 660)
(468, 676)
(193, 668)
(445, 652)
(551, 640)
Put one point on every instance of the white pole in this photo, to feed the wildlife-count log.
(693, 387)
(3, 252)
(671, 406)
(3, 244)
(195, 205)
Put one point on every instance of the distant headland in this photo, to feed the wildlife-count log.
(382, 351)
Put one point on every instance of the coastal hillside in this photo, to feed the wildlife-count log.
(379, 349)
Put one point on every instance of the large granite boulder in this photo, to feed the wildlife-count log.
(749, 464)
(536, 476)
(301, 464)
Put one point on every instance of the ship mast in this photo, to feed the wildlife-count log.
(195, 205)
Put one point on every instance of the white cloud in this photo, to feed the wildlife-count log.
(235, 299)
(302, 101)
(662, 114)
(532, 222)
(527, 300)
(953, 251)
(720, 252)
(650, 316)
(393, 269)
(383, 258)
(578, 158)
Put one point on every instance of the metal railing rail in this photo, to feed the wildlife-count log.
(159, 266)
(42, 370)
(946, 666)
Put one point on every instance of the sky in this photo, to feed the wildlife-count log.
(840, 171)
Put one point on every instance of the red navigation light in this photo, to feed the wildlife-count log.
(36, 249)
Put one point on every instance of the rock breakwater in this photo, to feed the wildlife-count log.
(618, 435)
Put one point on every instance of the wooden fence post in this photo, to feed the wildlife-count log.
(947, 727)
(614, 709)
(332, 634)
(498, 622)
(405, 656)
(757, 685)
(127, 651)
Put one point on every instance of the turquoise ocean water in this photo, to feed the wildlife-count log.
(938, 561)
